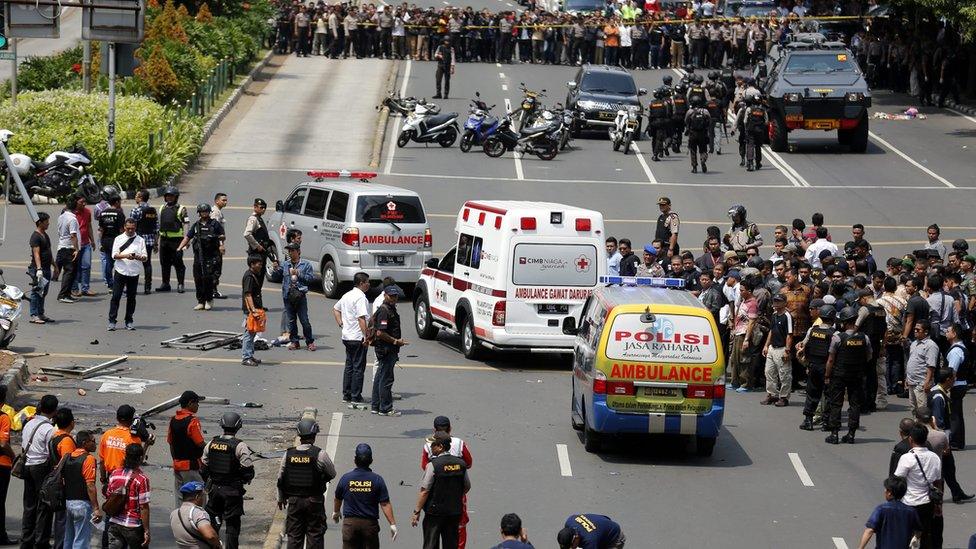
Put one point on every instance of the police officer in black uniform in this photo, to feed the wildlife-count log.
(111, 222)
(872, 321)
(717, 105)
(659, 117)
(305, 471)
(206, 235)
(441, 495)
(753, 121)
(172, 218)
(816, 349)
(680, 109)
(849, 350)
(228, 466)
(697, 124)
(147, 226)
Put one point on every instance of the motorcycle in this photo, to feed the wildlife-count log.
(61, 174)
(424, 125)
(537, 140)
(530, 105)
(567, 116)
(625, 125)
(480, 124)
(11, 305)
(406, 105)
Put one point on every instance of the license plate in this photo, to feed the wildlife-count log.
(660, 392)
(794, 118)
(390, 259)
(552, 309)
(608, 115)
(7, 302)
(821, 124)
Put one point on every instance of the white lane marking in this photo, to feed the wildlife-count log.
(839, 543)
(911, 160)
(962, 114)
(643, 163)
(332, 440)
(391, 152)
(501, 75)
(519, 175)
(509, 4)
(801, 471)
(791, 175)
(563, 454)
(504, 87)
(499, 65)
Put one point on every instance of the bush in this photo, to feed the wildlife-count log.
(66, 117)
(62, 70)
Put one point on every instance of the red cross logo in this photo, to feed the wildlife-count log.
(582, 264)
(281, 230)
(391, 205)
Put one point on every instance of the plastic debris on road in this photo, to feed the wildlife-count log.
(911, 113)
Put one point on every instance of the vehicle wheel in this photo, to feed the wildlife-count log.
(494, 147)
(575, 129)
(591, 439)
(778, 137)
(330, 280)
(548, 151)
(616, 145)
(704, 446)
(564, 139)
(859, 136)
(423, 320)
(627, 140)
(467, 140)
(404, 138)
(448, 138)
(469, 341)
(15, 197)
(3, 339)
(269, 269)
(90, 190)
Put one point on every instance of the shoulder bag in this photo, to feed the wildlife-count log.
(935, 493)
(20, 462)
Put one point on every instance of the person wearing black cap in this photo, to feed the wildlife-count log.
(388, 342)
(849, 351)
(172, 220)
(257, 236)
(228, 466)
(815, 350)
(186, 443)
(779, 375)
(668, 224)
(589, 531)
(458, 449)
(513, 535)
(303, 477)
(441, 495)
(207, 237)
(360, 494)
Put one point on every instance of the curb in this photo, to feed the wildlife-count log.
(380, 135)
(15, 378)
(960, 107)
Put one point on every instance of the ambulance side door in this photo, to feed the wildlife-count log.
(584, 351)
(442, 293)
(462, 269)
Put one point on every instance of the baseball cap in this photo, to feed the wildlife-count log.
(442, 438)
(187, 397)
(970, 258)
(790, 248)
(363, 450)
(664, 200)
(650, 249)
(192, 487)
(565, 537)
(730, 254)
(394, 290)
(779, 298)
(442, 421)
(816, 303)
(908, 264)
(260, 202)
(735, 274)
(293, 246)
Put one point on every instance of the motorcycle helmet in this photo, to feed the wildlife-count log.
(308, 427)
(231, 420)
(690, 69)
(171, 190)
(108, 192)
(203, 208)
(697, 79)
(659, 93)
(667, 79)
(847, 314)
(737, 210)
(752, 98)
(681, 88)
(713, 75)
(828, 313)
(697, 101)
(21, 163)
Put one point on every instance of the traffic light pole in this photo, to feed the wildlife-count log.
(111, 97)
(13, 72)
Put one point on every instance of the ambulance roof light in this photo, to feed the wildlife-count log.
(527, 223)
(652, 281)
(319, 175)
(583, 224)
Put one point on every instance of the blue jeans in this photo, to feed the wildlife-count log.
(83, 278)
(78, 527)
(383, 382)
(247, 343)
(299, 313)
(355, 370)
(39, 292)
(655, 55)
(108, 267)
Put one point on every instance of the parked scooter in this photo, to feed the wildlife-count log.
(538, 140)
(61, 174)
(530, 106)
(11, 305)
(480, 124)
(423, 125)
(566, 116)
(624, 128)
(406, 105)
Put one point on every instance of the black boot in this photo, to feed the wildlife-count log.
(832, 438)
(807, 424)
(848, 438)
(694, 169)
(742, 161)
(704, 168)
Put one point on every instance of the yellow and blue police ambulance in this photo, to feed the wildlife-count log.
(647, 359)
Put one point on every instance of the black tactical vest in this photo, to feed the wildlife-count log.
(818, 346)
(301, 476)
(222, 463)
(447, 491)
(851, 353)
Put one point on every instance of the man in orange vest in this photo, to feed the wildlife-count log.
(186, 444)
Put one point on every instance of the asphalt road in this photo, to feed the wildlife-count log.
(513, 410)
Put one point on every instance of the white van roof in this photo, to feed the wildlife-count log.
(641, 295)
(358, 187)
(523, 206)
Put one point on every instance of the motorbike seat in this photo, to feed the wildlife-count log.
(542, 127)
(438, 119)
(40, 166)
(489, 121)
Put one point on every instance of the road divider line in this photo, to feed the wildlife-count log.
(519, 174)
(801, 471)
(962, 114)
(643, 163)
(394, 134)
(839, 543)
(911, 160)
(791, 175)
(332, 441)
(501, 75)
(562, 453)
(505, 87)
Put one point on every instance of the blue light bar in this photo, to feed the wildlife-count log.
(653, 281)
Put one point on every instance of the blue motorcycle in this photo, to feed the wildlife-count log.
(480, 124)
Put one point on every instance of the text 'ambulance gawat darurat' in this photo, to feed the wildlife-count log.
(518, 269)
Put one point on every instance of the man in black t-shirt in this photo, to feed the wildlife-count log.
(388, 341)
(252, 305)
(40, 268)
(779, 374)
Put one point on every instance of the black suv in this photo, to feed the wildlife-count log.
(815, 85)
(598, 92)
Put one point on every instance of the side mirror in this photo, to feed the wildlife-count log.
(433, 263)
(569, 326)
(571, 85)
(279, 206)
(642, 91)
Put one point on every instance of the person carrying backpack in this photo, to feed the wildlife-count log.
(697, 121)
(959, 361)
(753, 121)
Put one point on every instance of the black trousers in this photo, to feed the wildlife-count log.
(815, 390)
(170, 258)
(443, 73)
(305, 523)
(851, 384)
(4, 484)
(225, 505)
(957, 423)
(38, 518)
(441, 532)
(658, 130)
(697, 147)
(130, 284)
(147, 268)
(204, 279)
(949, 475)
(870, 383)
(926, 513)
(69, 267)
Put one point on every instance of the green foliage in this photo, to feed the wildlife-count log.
(66, 117)
(62, 70)
(961, 13)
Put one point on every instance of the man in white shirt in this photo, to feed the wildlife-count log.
(351, 313)
(38, 518)
(129, 251)
(67, 254)
(922, 468)
(819, 245)
(217, 214)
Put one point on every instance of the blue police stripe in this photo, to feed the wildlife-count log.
(672, 424)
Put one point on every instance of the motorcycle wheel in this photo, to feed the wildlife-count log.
(448, 138)
(467, 140)
(15, 197)
(494, 147)
(564, 140)
(89, 190)
(547, 151)
(404, 138)
(616, 145)
(627, 139)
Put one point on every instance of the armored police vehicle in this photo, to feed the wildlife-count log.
(813, 84)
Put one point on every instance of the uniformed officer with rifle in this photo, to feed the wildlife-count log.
(172, 219)
(228, 467)
(257, 237)
(207, 236)
(305, 473)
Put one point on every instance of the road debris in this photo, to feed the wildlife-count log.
(82, 372)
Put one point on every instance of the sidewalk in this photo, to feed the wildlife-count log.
(29, 47)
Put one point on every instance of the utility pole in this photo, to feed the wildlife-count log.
(86, 66)
(111, 97)
(13, 72)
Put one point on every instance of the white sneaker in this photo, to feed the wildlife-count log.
(208, 305)
(198, 307)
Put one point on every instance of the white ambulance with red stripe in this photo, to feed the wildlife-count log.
(517, 270)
